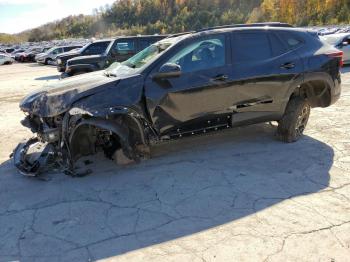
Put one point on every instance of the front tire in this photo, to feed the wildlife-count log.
(294, 120)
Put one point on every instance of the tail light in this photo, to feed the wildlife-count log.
(337, 54)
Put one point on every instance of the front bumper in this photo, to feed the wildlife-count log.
(33, 157)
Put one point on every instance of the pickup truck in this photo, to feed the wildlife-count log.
(119, 50)
(93, 48)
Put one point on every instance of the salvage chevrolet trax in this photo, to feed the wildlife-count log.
(183, 85)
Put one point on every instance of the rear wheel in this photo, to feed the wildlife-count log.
(293, 123)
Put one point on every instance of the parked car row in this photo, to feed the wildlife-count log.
(5, 59)
(49, 56)
(329, 30)
(31, 52)
(101, 54)
(340, 41)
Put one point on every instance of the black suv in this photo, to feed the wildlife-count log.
(94, 48)
(119, 50)
(186, 84)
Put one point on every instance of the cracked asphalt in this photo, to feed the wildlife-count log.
(239, 195)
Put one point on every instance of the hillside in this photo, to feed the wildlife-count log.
(167, 16)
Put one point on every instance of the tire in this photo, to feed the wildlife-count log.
(47, 60)
(294, 120)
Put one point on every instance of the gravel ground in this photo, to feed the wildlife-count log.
(239, 195)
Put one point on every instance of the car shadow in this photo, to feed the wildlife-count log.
(34, 64)
(189, 186)
(52, 77)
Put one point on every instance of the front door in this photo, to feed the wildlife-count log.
(188, 102)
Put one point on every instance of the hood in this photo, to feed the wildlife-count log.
(87, 59)
(56, 98)
(68, 55)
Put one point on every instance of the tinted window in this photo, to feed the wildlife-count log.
(290, 39)
(69, 48)
(278, 48)
(124, 47)
(251, 46)
(201, 54)
(96, 48)
(145, 43)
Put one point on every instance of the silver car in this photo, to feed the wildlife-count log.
(340, 41)
(49, 56)
(5, 59)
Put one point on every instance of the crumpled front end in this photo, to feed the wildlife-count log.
(34, 157)
(80, 117)
(42, 152)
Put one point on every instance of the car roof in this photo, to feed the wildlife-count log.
(240, 28)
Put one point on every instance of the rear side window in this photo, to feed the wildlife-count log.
(292, 41)
(124, 47)
(278, 47)
(251, 46)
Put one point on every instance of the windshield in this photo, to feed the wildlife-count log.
(141, 59)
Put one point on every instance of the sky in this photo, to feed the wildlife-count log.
(19, 15)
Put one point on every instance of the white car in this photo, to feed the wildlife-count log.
(5, 59)
(340, 41)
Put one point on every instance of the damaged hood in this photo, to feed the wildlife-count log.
(57, 98)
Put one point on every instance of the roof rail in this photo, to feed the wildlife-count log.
(272, 24)
(180, 34)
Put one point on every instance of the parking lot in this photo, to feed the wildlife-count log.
(240, 195)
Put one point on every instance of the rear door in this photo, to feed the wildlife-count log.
(262, 72)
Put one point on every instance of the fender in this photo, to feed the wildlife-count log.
(121, 131)
(293, 88)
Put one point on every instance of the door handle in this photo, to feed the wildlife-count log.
(288, 66)
(220, 78)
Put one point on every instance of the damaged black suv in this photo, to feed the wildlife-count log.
(186, 84)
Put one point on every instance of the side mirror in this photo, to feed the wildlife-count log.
(168, 70)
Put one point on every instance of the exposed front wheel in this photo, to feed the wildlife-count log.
(293, 123)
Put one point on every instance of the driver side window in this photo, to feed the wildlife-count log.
(201, 54)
